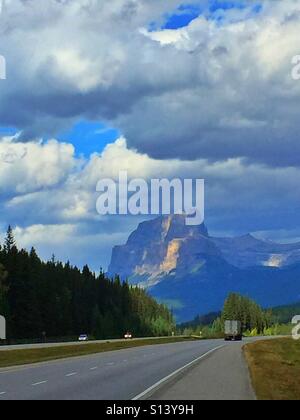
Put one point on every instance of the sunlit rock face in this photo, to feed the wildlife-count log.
(275, 261)
(171, 259)
(159, 247)
(193, 273)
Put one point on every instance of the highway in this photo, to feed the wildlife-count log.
(209, 369)
(71, 343)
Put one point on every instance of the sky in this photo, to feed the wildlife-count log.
(199, 89)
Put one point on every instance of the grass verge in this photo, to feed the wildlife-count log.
(275, 368)
(22, 357)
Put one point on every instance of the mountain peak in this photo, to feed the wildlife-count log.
(175, 227)
(156, 247)
(249, 237)
(165, 229)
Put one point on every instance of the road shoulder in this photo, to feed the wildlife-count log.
(223, 375)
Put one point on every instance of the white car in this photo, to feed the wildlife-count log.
(128, 336)
(83, 337)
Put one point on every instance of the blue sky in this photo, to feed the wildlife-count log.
(89, 137)
(186, 12)
(8, 131)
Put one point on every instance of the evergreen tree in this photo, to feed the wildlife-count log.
(246, 311)
(9, 242)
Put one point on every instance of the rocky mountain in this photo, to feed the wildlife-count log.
(247, 251)
(193, 273)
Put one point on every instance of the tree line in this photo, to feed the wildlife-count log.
(248, 312)
(53, 299)
(254, 319)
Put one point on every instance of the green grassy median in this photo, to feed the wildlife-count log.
(22, 357)
(275, 368)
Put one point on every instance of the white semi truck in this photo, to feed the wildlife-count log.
(233, 331)
(2, 328)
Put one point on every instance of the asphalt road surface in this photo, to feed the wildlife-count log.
(209, 369)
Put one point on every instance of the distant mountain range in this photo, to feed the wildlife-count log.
(193, 272)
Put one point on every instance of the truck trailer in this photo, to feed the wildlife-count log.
(233, 331)
(2, 328)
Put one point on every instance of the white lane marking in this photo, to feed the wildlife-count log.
(71, 374)
(110, 364)
(39, 383)
(94, 368)
(125, 361)
(167, 378)
(2, 393)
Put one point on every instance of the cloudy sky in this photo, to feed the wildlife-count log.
(160, 88)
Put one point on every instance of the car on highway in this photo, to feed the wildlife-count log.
(128, 336)
(83, 337)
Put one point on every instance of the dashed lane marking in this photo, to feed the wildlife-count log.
(39, 383)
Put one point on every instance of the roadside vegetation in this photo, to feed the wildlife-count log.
(284, 314)
(255, 320)
(23, 357)
(275, 368)
(50, 299)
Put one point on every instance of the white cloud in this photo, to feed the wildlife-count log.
(27, 167)
(51, 235)
(69, 242)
